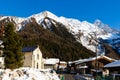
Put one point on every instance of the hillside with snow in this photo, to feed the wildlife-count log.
(86, 33)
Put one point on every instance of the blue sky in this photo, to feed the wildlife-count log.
(108, 11)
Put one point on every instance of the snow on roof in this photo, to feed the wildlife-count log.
(113, 64)
(63, 62)
(91, 59)
(81, 67)
(51, 61)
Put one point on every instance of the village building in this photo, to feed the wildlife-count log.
(1, 56)
(90, 65)
(113, 67)
(55, 63)
(2, 62)
(51, 63)
(33, 57)
(62, 65)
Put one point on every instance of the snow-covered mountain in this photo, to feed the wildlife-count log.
(88, 34)
(105, 27)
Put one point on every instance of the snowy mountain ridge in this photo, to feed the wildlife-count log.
(83, 31)
(74, 24)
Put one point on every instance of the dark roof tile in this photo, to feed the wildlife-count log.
(29, 49)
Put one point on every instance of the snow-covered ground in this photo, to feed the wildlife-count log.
(28, 74)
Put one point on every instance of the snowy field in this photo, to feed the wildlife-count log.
(28, 74)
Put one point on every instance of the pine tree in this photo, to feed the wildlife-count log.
(12, 48)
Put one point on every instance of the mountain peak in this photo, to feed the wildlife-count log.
(44, 14)
(47, 13)
(40, 16)
(98, 23)
(97, 20)
(105, 27)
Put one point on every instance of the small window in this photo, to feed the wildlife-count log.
(37, 56)
(37, 65)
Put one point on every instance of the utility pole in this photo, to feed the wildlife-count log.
(96, 44)
(97, 67)
(95, 41)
